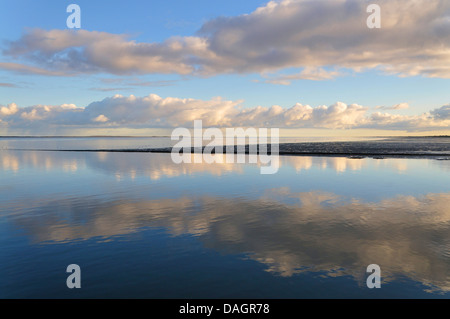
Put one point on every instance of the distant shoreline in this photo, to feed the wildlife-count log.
(411, 147)
(89, 136)
(168, 136)
(377, 150)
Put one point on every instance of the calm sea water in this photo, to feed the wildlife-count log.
(108, 143)
(140, 226)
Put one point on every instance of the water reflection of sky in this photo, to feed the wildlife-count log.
(326, 215)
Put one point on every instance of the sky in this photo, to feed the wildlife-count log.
(146, 67)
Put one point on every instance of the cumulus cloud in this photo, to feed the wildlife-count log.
(338, 115)
(8, 110)
(422, 122)
(125, 111)
(414, 40)
(153, 111)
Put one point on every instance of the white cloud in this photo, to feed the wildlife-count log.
(8, 110)
(414, 40)
(101, 118)
(153, 111)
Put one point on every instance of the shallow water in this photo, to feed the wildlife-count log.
(140, 226)
(122, 142)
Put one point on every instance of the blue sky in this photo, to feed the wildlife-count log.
(148, 22)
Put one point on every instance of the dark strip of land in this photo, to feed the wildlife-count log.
(376, 149)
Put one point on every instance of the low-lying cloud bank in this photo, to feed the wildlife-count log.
(414, 40)
(153, 111)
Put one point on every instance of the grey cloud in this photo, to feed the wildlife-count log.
(27, 69)
(442, 112)
(75, 52)
(414, 40)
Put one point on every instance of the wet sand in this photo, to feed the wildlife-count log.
(404, 147)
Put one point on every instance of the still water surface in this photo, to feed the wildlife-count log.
(140, 226)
